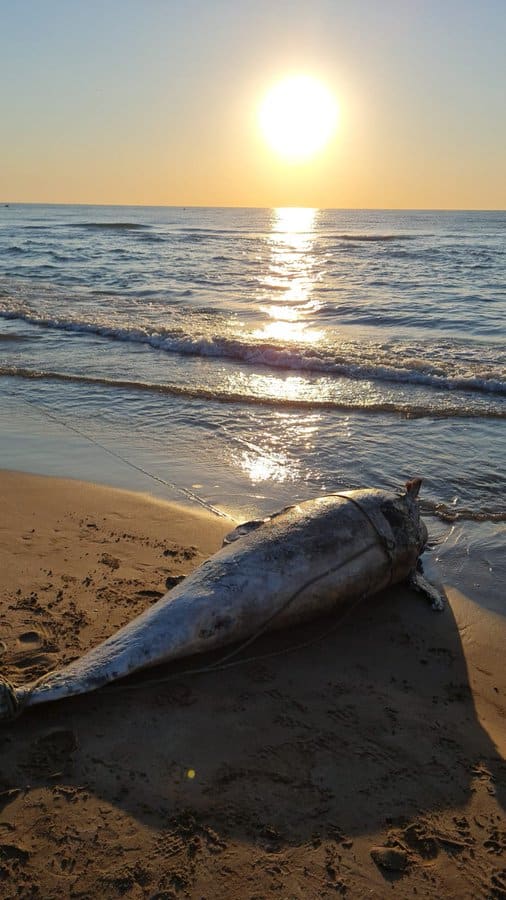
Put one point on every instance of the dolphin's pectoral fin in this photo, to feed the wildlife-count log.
(9, 706)
(418, 581)
(172, 580)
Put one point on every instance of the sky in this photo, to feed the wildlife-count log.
(156, 102)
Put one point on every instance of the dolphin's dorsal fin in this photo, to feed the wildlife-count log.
(413, 487)
(243, 529)
(252, 525)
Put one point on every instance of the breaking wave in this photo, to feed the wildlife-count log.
(333, 362)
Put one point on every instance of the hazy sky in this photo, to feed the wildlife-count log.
(155, 101)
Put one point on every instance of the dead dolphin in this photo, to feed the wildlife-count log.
(306, 560)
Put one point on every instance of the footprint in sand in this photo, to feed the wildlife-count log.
(32, 640)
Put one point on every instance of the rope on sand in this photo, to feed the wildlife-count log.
(169, 484)
(221, 665)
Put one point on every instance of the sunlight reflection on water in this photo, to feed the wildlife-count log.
(288, 287)
(264, 456)
(292, 273)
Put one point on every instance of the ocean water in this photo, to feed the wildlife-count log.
(244, 359)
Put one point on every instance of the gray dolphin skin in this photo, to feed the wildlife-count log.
(311, 558)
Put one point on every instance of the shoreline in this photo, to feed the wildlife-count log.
(371, 761)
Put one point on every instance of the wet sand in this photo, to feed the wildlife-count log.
(368, 764)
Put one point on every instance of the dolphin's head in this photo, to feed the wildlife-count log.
(409, 534)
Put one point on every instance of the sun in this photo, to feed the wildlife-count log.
(298, 116)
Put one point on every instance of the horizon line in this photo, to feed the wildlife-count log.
(8, 203)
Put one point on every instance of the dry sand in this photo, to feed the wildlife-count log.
(369, 764)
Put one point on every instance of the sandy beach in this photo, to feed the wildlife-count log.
(369, 764)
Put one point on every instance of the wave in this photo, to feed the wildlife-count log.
(16, 250)
(99, 226)
(370, 238)
(109, 226)
(407, 410)
(61, 257)
(383, 316)
(189, 229)
(294, 357)
(325, 235)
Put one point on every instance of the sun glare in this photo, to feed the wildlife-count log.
(298, 117)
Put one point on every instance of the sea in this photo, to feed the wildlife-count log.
(244, 359)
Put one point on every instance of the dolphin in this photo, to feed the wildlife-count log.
(309, 559)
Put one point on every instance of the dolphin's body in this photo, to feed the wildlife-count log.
(306, 560)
